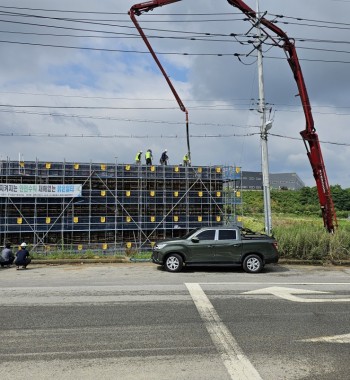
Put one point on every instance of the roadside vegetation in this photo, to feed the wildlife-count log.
(297, 225)
(71, 254)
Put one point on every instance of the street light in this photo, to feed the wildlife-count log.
(268, 125)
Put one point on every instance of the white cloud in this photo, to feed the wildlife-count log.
(216, 90)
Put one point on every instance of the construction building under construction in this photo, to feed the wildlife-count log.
(111, 207)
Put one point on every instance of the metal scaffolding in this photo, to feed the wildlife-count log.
(121, 206)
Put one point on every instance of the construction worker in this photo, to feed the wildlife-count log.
(186, 160)
(138, 158)
(164, 158)
(149, 157)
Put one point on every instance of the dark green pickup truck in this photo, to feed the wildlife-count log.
(233, 246)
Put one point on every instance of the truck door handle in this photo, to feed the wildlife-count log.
(236, 245)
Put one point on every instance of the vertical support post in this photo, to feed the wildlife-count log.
(263, 133)
(116, 206)
(90, 196)
(187, 198)
(164, 202)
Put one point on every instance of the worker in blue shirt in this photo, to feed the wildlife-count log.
(22, 257)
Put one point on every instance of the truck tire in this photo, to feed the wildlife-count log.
(252, 264)
(173, 263)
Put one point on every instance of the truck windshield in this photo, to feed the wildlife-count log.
(190, 233)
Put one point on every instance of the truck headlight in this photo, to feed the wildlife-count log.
(160, 246)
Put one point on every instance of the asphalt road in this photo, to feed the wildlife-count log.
(134, 321)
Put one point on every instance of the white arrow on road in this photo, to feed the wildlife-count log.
(329, 339)
(288, 294)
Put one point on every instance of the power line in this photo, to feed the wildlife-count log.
(126, 20)
(300, 139)
(117, 98)
(104, 136)
(310, 20)
(195, 39)
(206, 34)
(165, 53)
(146, 136)
(113, 118)
(212, 107)
(61, 10)
(118, 13)
(168, 100)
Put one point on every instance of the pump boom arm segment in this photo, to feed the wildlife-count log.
(137, 10)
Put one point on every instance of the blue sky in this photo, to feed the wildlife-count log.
(119, 94)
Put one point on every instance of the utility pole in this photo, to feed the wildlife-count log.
(263, 131)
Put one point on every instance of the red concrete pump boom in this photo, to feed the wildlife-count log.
(309, 134)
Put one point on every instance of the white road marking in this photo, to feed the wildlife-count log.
(329, 339)
(274, 283)
(287, 294)
(236, 363)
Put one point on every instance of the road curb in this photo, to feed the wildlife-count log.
(80, 261)
(314, 262)
(126, 260)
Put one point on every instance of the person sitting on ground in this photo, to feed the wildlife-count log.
(22, 257)
(7, 256)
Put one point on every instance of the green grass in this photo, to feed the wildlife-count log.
(62, 254)
(305, 238)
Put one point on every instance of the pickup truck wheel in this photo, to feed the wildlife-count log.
(253, 264)
(173, 263)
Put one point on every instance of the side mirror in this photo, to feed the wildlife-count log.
(195, 240)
